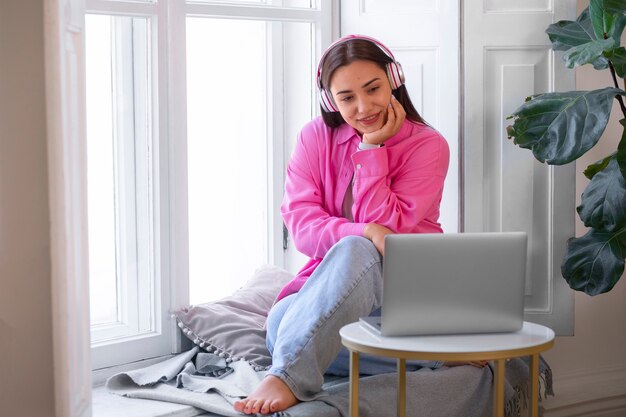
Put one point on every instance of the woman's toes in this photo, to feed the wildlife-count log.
(266, 409)
(248, 408)
(275, 406)
(241, 405)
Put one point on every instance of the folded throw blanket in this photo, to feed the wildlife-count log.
(207, 381)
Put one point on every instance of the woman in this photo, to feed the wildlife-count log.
(368, 167)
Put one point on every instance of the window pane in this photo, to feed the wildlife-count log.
(119, 181)
(304, 4)
(227, 154)
(100, 178)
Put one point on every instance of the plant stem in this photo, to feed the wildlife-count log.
(619, 97)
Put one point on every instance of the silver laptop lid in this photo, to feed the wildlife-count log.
(453, 283)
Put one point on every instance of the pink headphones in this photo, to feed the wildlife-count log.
(394, 71)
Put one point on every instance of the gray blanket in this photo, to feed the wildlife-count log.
(208, 382)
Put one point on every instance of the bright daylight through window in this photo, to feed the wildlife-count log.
(119, 177)
(208, 173)
(231, 149)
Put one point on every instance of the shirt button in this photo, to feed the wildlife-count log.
(358, 166)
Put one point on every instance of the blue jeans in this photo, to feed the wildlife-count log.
(303, 328)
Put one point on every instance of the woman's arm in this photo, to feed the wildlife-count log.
(313, 229)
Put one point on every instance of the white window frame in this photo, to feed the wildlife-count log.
(169, 169)
(135, 236)
(142, 331)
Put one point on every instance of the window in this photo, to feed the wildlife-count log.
(188, 107)
(120, 214)
(234, 146)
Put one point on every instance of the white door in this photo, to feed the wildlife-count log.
(424, 37)
(506, 56)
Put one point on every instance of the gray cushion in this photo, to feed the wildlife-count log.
(234, 327)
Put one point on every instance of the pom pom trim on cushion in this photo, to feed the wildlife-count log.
(210, 348)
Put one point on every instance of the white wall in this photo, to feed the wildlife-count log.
(26, 374)
(591, 365)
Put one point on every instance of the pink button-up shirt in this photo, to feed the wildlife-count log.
(398, 186)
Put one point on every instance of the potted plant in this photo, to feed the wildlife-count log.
(560, 127)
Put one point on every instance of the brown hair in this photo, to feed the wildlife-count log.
(347, 52)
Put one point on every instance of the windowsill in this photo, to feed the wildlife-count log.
(99, 376)
(106, 404)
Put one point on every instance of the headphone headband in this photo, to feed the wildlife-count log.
(394, 70)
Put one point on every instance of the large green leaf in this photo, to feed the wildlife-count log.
(621, 161)
(618, 57)
(588, 52)
(594, 262)
(560, 127)
(616, 30)
(601, 20)
(605, 22)
(603, 203)
(566, 34)
(621, 151)
(596, 167)
(614, 6)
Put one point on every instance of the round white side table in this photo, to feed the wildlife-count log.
(531, 340)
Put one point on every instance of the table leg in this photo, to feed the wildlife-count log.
(401, 387)
(534, 385)
(498, 388)
(354, 384)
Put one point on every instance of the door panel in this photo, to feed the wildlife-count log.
(506, 189)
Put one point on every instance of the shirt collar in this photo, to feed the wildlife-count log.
(345, 132)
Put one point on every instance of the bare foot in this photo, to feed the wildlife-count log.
(271, 396)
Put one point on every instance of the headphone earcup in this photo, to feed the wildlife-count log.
(327, 102)
(395, 74)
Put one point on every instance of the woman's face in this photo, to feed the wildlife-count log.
(362, 93)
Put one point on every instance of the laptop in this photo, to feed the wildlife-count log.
(459, 283)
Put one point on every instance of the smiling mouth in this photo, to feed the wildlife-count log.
(370, 119)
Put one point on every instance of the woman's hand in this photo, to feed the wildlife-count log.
(395, 118)
(376, 233)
